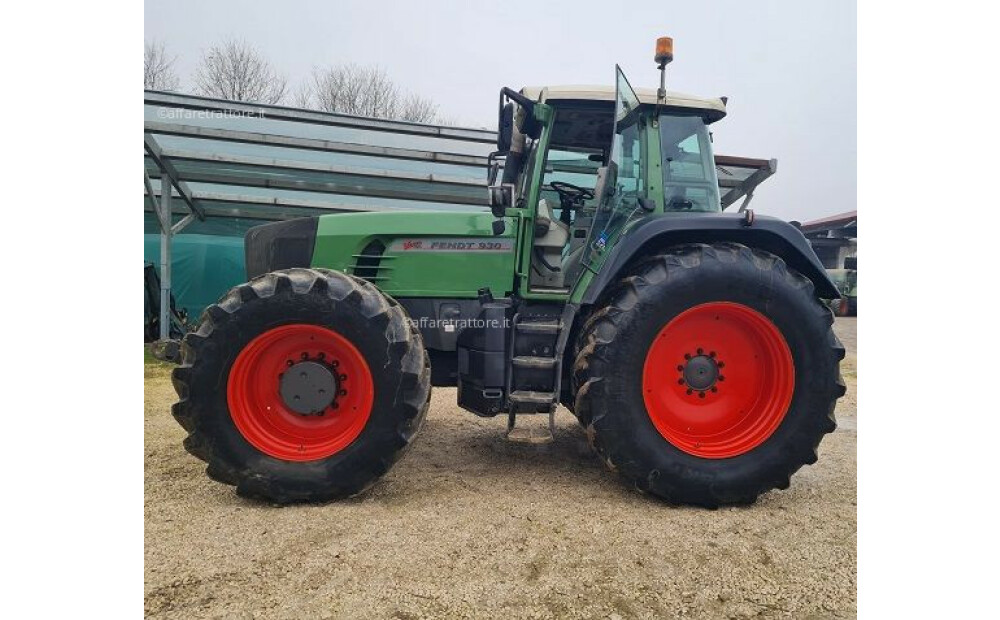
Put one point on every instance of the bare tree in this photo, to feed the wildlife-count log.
(303, 97)
(365, 91)
(419, 110)
(158, 68)
(237, 71)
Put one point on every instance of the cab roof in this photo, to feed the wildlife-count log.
(712, 109)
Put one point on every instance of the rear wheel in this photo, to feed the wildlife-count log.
(304, 384)
(710, 374)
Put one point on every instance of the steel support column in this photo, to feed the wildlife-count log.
(166, 237)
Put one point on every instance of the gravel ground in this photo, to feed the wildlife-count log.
(469, 525)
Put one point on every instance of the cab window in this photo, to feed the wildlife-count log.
(689, 179)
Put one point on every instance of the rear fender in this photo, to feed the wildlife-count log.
(765, 233)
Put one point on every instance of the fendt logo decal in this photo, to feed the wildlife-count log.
(468, 244)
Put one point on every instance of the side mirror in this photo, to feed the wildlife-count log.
(501, 197)
(505, 128)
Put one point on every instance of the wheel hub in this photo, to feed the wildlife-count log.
(701, 372)
(308, 387)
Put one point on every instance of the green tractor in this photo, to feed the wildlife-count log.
(693, 345)
(846, 281)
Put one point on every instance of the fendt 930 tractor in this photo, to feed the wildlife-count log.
(693, 345)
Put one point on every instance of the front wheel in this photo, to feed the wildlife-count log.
(302, 385)
(710, 375)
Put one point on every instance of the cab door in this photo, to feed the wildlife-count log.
(625, 186)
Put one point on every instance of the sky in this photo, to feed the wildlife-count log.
(789, 68)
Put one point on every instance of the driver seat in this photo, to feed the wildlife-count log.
(556, 233)
(551, 236)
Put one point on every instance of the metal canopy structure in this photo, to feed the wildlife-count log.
(740, 176)
(842, 225)
(225, 159)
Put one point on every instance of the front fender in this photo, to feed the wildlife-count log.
(766, 233)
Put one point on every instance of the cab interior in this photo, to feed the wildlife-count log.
(581, 136)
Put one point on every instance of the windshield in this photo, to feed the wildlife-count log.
(625, 177)
(689, 179)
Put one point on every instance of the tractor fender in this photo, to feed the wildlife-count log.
(765, 233)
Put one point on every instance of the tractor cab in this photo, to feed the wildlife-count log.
(584, 162)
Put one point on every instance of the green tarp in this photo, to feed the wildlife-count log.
(204, 268)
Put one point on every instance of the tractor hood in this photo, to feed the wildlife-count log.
(405, 253)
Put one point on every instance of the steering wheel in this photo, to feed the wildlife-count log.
(570, 195)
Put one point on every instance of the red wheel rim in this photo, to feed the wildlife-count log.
(738, 408)
(260, 413)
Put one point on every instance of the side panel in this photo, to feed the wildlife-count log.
(421, 253)
(652, 233)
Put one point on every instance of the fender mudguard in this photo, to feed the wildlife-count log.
(765, 233)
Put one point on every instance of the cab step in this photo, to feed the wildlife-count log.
(530, 361)
(533, 434)
(548, 326)
(527, 397)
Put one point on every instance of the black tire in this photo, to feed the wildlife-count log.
(608, 372)
(373, 322)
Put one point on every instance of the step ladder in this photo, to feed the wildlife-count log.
(534, 375)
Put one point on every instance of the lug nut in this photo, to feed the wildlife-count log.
(305, 356)
(721, 378)
(711, 353)
(701, 395)
(715, 389)
(700, 351)
(680, 367)
(690, 391)
(680, 382)
(687, 356)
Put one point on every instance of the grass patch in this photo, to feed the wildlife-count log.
(154, 367)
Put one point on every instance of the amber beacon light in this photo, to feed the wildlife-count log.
(664, 54)
(664, 50)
